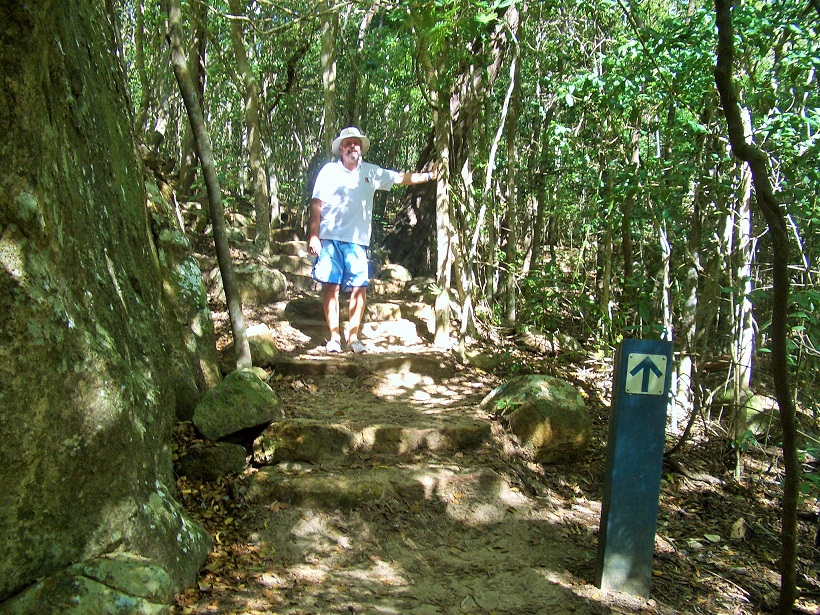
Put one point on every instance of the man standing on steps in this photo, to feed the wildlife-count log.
(341, 214)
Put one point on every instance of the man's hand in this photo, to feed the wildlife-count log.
(315, 245)
(407, 178)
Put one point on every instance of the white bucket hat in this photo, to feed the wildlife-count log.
(350, 133)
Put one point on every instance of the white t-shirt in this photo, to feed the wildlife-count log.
(347, 199)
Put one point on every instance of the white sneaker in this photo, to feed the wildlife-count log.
(333, 346)
(356, 346)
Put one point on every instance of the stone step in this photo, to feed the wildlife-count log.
(311, 308)
(289, 264)
(302, 282)
(409, 367)
(286, 234)
(317, 365)
(318, 442)
(301, 308)
(391, 333)
(476, 495)
(291, 247)
(374, 335)
(316, 330)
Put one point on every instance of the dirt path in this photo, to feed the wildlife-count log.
(425, 514)
(390, 491)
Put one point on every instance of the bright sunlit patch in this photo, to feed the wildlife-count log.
(512, 497)
(429, 483)
(385, 573)
(309, 573)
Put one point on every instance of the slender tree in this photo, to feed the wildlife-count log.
(745, 150)
(197, 69)
(259, 176)
(438, 92)
(330, 30)
(511, 252)
(203, 144)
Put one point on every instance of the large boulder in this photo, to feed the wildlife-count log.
(262, 342)
(211, 461)
(258, 284)
(87, 374)
(546, 414)
(423, 289)
(241, 401)
(550, 342)
(758, 416)
(395, 272)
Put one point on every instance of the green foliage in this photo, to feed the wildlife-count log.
(810, 485)
(616, 109)
(743, 443)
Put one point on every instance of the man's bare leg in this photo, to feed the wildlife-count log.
(358, 300)
(330, 303)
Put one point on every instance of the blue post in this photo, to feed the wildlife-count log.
(637, 426)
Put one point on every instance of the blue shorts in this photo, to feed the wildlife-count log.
(342, 263)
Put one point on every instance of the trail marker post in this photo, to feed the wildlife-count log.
(637, 426)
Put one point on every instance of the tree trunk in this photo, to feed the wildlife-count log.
(139, 65)
(465, 268)
(89, 335)
(539, 231)
(352, 107)
(330, 28)
(603, 280)
(686, 385)
(742, 321)
(409, 241)
(444, 229)
(196, 66)
(259, 178)
(203, 144)
(628, 203)
(775, 219)
(665, 280)
(511, 255)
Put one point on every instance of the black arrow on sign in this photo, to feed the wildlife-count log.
(648, 366)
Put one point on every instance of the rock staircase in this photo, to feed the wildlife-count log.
(386, 488)
(400, 402)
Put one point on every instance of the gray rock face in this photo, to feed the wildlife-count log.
(240, 401)
(122, 583)
(86, 375)
(546, 414)
(194, 348)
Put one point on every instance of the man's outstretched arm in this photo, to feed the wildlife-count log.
(314, 243)
(411, 179)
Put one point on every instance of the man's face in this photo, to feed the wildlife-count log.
(351, 150)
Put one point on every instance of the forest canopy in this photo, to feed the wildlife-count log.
(591, 185)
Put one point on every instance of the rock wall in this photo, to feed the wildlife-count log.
(87, 377)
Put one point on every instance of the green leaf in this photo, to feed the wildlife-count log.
(485, 18)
